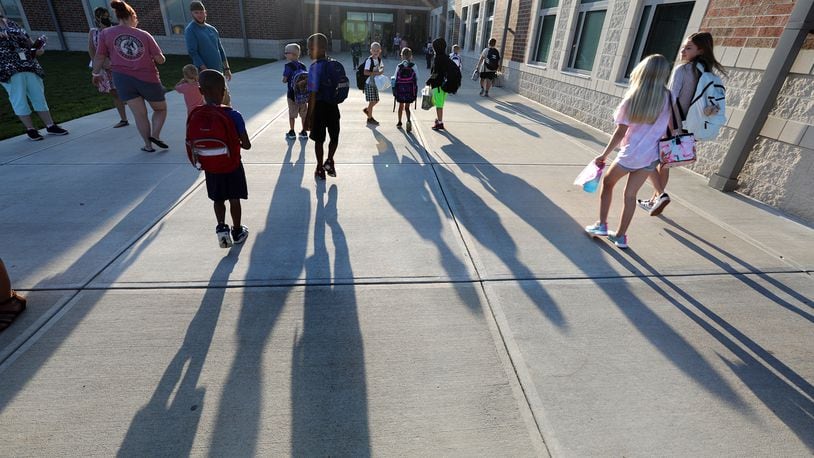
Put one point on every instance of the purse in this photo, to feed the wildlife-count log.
(426, 98)
(677, 149)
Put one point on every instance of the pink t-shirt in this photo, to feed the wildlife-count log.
(640, 147)
(192, 95)
(131, 52)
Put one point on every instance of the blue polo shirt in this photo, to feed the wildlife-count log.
(204, 46)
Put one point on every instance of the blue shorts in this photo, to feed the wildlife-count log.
(130, 88)
(650, 167)
(22, 88)
(227, 186)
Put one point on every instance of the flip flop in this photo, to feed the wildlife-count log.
(159, 143)
(121, 124)
(14, 305)
(148, 149)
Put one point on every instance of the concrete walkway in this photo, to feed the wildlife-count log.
(437, 298)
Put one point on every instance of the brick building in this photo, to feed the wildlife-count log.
(268, 24)
(575, 56)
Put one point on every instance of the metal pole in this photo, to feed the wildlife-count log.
(60, 35)
(246, 51)
(801, 22)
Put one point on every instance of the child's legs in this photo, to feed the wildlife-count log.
(439, 113)
(663, 175)
(220, 211)
(236, 210)
(117, 102)
(401, 111)
(333, 134)
(634, 182)
(407, 110)
(613, 175)
(319, 150)
(291, 122)
(370, 106)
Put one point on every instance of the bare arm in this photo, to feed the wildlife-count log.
(615, 140)
(309, 116)
(159, 58)
(245, 143)
(91, 48)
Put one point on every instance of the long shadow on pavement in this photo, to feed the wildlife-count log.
(515, 193)
(284, 240)
(329, 411)
(169, 422)
(796, 410)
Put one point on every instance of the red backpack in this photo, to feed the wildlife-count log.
(213, 144)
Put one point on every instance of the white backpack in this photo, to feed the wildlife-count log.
(707, 111)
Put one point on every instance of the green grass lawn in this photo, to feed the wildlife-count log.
(71, 95)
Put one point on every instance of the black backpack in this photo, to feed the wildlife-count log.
(492, 59)
(453, 79)
(361, 79)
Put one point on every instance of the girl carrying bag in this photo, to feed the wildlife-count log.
(677, 149)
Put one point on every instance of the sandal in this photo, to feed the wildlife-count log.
(121, 124)
(148, 149)
(329, 168)
(159, 143)
(14, 305)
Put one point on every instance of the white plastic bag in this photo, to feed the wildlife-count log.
(589, 177)
(382, 82)
(426, 98)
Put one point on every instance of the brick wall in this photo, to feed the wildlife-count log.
(520, 37)
(36, 11)
(747, 23)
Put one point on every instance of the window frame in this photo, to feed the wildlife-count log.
(489, 20)
(23, 17)
(653, 4)
(464, 27)
(580, 15)
(475, 24)
(542, 13)
(165, 16)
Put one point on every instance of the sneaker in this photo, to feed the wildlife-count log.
(438, 126)
(34, 135)
(659, 204)
(620, 240)
(329, 168)
(55, 130)
(240, 234)
(486, 94)
(224, 237)
(291, 134)
(398, 126)
(597, 230)
(372, 121)
(645, 204)
(481, 92)
(319, 174)
(409, 126)
(303, 134)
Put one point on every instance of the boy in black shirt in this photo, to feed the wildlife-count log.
(440, 67)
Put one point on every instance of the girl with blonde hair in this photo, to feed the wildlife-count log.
(641, 120)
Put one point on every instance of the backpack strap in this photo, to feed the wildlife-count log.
(673, 117)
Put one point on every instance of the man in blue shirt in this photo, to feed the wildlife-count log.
(203, 43)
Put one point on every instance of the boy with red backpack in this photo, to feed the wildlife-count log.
(405, 88)
(215, 135)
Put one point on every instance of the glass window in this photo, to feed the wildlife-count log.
(178, 15)
(661, 31)
(13, 11)
(450, 25)
(475, 24)
(357, 16)
(544, 38)
(586, 37)
(463, 27)
(490, 19)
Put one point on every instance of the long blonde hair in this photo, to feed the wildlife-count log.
(648, 86)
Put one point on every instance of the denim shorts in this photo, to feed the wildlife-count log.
(650, 167)
(130, 88)
(22, 88)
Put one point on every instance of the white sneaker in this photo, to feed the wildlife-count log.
(645, 204)
(224, 235)
(659, 204)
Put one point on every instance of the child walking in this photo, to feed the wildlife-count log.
(292, 67)
(188, 87)
(323, 113)
(641, 120)
(455, 56)
(373, 68)
(697, 50)
(438, 75)
(406, 87)
(229, 186)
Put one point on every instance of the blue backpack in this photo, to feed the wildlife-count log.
(334, 84)
(300, 95)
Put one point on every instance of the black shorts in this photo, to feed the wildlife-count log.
(226, 186)
(326, 118)
(488, 75)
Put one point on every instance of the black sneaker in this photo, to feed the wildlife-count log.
(372, 122)
(56, 130)
(329, 168)
(224, 236)
(291, 134)
(34, 135)
(240, 234)
(303, 134)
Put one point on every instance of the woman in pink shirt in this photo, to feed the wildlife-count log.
(133, 55)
